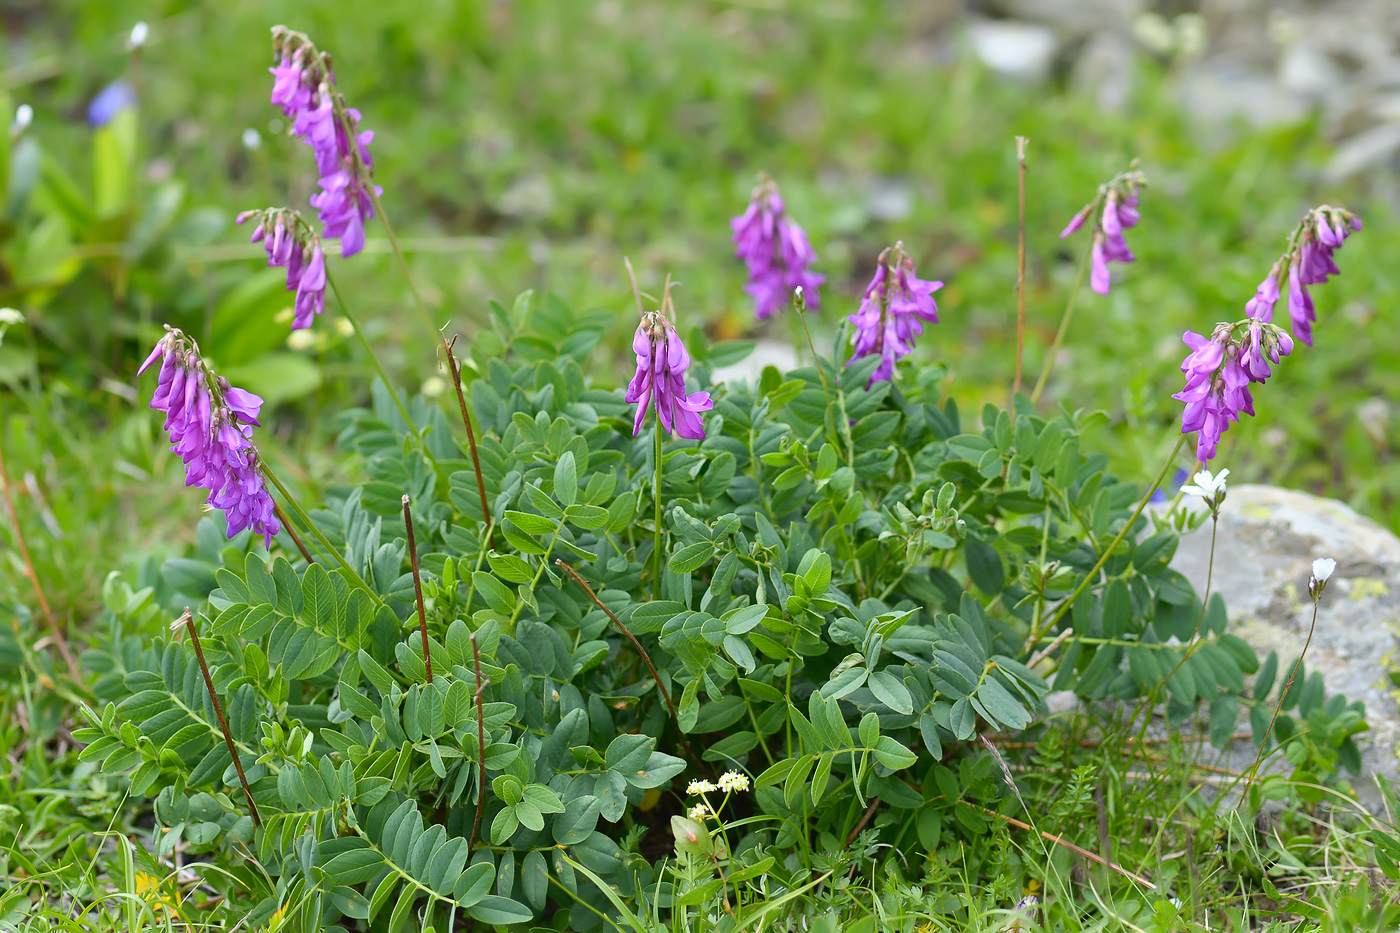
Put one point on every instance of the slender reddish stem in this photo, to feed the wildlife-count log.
(188, 621)
(480, 742)
(455, 368)
(417, 587)
(296, 539)
(1020, 257)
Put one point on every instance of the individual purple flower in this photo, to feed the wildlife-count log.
(110, 101)
(662, 361)
(1309, 261)
(892, 312)
(303, 86)
(211, 427)
(1219, 370)
(776, 251)
(290, 243)
(1116, 206)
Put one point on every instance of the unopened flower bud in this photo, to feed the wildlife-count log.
(24, 115)
(139, 34)
(1321, 571)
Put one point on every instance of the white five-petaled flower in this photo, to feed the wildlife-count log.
(1206, 484)
(699, 812)
(702, 787)
(733, 781)
(1322, 568)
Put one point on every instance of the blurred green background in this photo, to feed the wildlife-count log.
(534, 144)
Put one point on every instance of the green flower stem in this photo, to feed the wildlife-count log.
(656, 548)
(1123, 533)
(373, 358)
(306, 520)
(1064, 325)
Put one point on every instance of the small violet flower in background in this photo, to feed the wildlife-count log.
(891, 314)
(776, 251)
(211, 427)
(1308, 261)
(291, 244)
(110, 101)
(662, 361)
(303, 86)
(1116, 205)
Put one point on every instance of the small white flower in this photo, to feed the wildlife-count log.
(731, 781)
(701, 787)
(699, 812)
(139, 33)
(1322, 568)
(1206, 485)
(24, 115)
(252, 139)
(10, 316)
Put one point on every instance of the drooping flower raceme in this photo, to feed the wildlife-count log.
(662, 361)
(1307, 261)
(892, 313)
(304, 87)
(211, 426)
(1115, 209)
(1219, 370)
(291, 244)
(776, 251)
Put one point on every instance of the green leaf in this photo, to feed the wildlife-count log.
(658, 769)
(1224, 711)
(566, 479)
(530, 523)
(890, 690)
(1001, 706)
(578, 820)
(501, 911)
(893, 755)
(984, 567)
(691, 557)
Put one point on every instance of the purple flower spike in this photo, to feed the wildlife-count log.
(1119, 201)
(1219, 371)
(211, 428)
(293, 245)
(304, 87)
(1309, 260)
(891, 314)
(662, 361)
(776, 251)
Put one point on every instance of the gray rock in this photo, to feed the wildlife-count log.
(766, 352)
(1367, 149)
(1265, 545)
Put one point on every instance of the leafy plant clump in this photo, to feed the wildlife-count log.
(507, 681)
(854, 589)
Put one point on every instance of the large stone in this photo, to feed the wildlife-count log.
(1265, 546)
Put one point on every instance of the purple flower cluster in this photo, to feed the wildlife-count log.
(1309, 262)
(1219, 370)
(211, 427)
(292, 245)
(303, 86)
(776, 251)
(891, 314)
(662, 361)
(1119, 201)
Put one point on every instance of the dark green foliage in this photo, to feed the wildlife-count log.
(854, 589)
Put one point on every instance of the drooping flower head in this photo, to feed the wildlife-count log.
(292, 244)
(662, 361)
(1308, 261)
(304, 87)
(211, 427)
(776, 251)
(1218, 372)
(1115, 210)
(892, 313)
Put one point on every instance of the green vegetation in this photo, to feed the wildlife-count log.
(532, 145)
